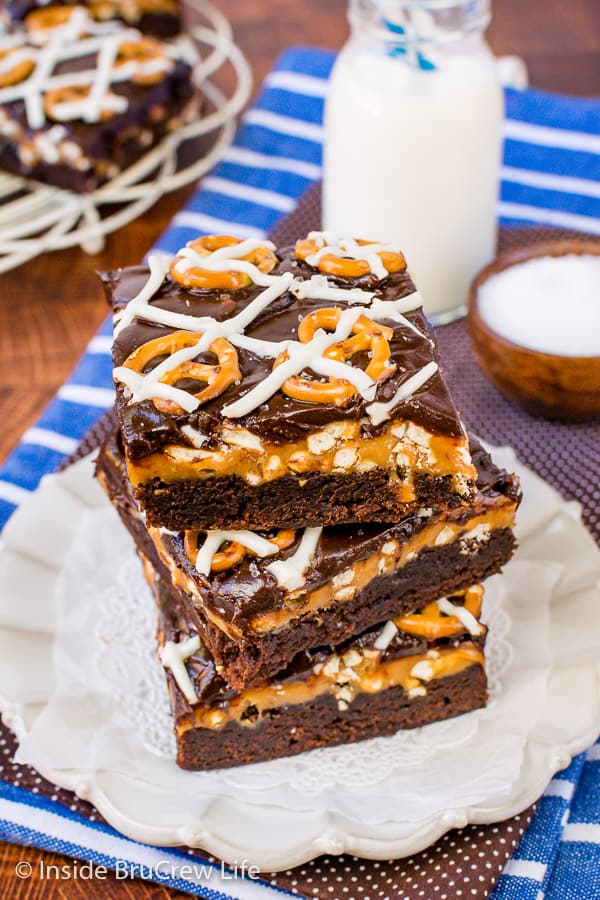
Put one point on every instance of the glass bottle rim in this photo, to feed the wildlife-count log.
(474, 16)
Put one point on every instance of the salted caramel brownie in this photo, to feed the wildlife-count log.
(408, 672)
(258, 598)
(82, 103)
(161, 18)
(261, 389)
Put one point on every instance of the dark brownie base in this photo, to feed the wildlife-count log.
(294, 729)
(293, 501)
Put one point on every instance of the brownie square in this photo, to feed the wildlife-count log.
(78, 110)
(260, 388)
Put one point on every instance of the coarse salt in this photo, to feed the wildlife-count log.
(550, 304)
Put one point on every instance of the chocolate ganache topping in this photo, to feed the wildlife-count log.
(281, 418)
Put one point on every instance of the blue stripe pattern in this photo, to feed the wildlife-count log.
(550, 175)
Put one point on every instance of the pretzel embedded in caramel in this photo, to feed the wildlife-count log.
(233, 552)
(145, 52)
(432, 624)
(218, 377)
(197, 277)
(19, 71)
(368, 336)
(346, 266)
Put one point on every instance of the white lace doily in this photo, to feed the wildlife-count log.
(126, 657)
(93, 714)
(36, 218)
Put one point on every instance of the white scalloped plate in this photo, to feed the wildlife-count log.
(283, 813)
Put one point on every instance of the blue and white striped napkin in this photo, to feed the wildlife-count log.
(550, 176)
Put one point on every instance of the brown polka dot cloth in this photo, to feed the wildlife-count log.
(465, 863)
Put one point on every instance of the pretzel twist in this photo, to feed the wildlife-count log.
(368, 336)
(18, 72)
(431, 623)
(143, 51)
(232, 552)
(197, 277)
(217, 377)
(346, 267)
(48, 18)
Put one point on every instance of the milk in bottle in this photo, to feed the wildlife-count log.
(413, 138)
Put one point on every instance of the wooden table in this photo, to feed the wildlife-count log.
(51, 307)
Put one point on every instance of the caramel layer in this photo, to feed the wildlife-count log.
(403, 450)
(369, 675)
(348, 583)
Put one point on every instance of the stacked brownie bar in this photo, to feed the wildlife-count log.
(310, 513)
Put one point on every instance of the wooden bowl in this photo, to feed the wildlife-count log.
(545, 384)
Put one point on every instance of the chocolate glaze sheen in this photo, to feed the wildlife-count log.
(282, 418)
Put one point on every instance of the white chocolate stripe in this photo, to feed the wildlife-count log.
(104, 64)
(173, 657)
(379, 412)
(390, 630)
(318, 288)
(255, 345)
(300, 356)
(146, 388)
(226, 253)
(466, 618)
(289, 572)
(214, 539)
(158, 263)
(331, 368)
(61, 45)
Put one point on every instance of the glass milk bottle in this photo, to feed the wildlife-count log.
(413, 139)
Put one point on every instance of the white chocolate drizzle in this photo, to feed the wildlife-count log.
(379, 412)
(63, 45)
(390, 630)
(227, 259)
(300, 356)
(317, 287)
(173, 657)
(258, 545)
(465, 617)
(290, 572)
(331, 244)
